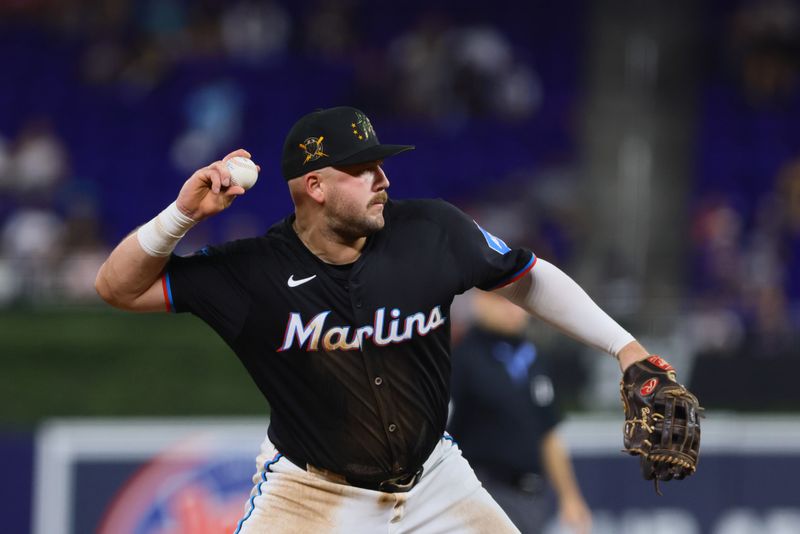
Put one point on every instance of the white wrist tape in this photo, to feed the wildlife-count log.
(161, 234)
(558, 300)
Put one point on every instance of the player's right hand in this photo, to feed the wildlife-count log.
(209, 190)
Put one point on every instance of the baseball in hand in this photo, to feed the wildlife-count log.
(244, 172)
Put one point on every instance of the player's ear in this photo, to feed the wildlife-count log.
(313, 183)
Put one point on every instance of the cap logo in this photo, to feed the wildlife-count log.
(362, 128)
(313, 148)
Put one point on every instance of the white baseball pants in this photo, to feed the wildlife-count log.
(447, 499)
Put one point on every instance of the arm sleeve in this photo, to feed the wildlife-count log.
(484, 260)
(557, 299)
(209, 284)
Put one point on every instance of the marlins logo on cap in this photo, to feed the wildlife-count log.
(348, 137)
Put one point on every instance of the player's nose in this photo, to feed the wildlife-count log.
(381, 181)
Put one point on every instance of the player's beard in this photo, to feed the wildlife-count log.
(352, 221)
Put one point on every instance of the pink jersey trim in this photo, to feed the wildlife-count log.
(165, 289)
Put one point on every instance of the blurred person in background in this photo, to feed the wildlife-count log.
(771, 288)
(38, 162)
(504, 417)
(37, 167)
(256, 32)
(762, 46)
(446, 72)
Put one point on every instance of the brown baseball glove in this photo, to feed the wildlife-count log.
(661, 420)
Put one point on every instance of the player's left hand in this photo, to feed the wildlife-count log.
(661, 420)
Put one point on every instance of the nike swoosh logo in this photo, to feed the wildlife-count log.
(294, 283)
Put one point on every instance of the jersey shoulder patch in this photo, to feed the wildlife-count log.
(494, 242)
(205, 251)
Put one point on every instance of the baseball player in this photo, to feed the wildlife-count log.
(339, 312)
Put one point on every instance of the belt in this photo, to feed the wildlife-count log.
(399, 484)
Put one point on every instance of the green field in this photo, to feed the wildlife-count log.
(100, 362)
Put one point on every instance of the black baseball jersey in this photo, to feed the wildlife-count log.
(504, 402)
(353, 360)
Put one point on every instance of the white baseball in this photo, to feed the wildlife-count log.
(243, 171)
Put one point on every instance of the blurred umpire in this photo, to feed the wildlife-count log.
(504, 418)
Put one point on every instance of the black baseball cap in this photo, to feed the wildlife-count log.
(332, 137)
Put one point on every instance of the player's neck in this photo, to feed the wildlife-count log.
(327, 245)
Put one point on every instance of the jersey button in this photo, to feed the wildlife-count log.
(358, 304)
(392, 427)
(378, 381)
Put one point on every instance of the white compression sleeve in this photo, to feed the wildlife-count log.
(159, 236)
(558, 300)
